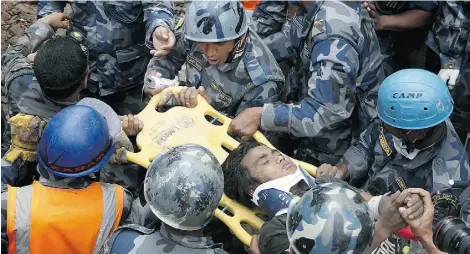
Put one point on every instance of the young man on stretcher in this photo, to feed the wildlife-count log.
(255, 174)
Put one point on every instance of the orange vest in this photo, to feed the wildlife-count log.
(250, 5)
(43, 219)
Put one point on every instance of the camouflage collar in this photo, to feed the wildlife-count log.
(193, 242)
(34, 102)
(309, 17)
(50, 180)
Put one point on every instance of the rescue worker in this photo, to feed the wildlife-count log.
(51, 80)
(454, 49)
(42, 74)
(312, 223)
(226, 62)
(183, 187)
(119, 35)
(461, 115)
(401, 29)
(66, 208)
(412, 143)
(257, 174)
(336, 79)
(449, 39)
(270, 21)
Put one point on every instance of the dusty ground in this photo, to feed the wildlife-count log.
(16, 17)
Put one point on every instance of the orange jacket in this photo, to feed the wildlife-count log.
(42, 219)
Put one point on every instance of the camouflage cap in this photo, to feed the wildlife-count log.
(330, 218)
(215, 21)
(183, 186)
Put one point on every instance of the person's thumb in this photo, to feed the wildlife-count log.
(164, 34)
(403, 214)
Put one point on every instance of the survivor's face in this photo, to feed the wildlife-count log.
(217, 53)
(267, 164)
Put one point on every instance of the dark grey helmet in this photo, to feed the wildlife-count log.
(183, 186)
(215, 21)
(330, 218)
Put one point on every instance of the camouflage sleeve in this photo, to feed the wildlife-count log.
(465, 202)
(269, 17)
(260, 95)
(451, 32)
(157, 13)
(127, 205)
(330, 101)
(270, 23)
(170, 64)
(358, 158)
(141, 214)
(46, 7)
(4, 215)
(280, 44)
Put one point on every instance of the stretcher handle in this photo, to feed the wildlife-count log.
(229, 142)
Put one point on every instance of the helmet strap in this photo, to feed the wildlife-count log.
(238, 49)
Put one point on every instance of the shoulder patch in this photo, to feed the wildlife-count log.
(193, 61)
(384, 143)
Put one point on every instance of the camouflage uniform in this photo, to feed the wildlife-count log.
(25, 96)
(457, 16)
(461, 115)
(391, 42)
(47, 179)
(339, 69)
(373, 160)
(136, 239)
(21, 87)
(269, 21)
(374, 156)
(118, 35)
(449, 36)
(248, 81)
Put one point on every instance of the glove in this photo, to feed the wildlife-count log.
(449, 76)
(123, 144)
(154, 83)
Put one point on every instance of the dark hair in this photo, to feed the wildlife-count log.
(237, 178)
(60, 66)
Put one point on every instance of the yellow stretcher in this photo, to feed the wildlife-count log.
(181, 125)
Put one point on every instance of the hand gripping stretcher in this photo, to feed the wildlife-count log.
(181, 125)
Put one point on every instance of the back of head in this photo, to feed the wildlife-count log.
(330, 218)
(183, 186)
(215, 21)
(60, 66)
(414, 99)
(76, 142)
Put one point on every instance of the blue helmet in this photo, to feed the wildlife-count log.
(330, 218)
(76, 142)
(414, 99)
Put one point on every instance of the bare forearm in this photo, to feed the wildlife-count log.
(406, 20)
(380, 234)
(429, 246)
